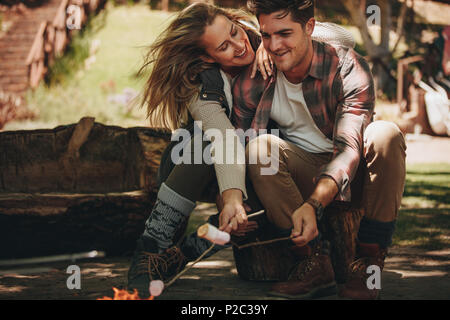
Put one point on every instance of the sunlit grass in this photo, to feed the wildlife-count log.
(75, 90)
(424, 218)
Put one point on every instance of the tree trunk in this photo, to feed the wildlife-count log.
(378, 53)
(76, 187)
(165, 5)
(274, 261)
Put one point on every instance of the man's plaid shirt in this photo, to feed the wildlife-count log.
(339, 94)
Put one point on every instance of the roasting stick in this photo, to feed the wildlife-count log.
(211, 233)
(157, 286)
(258, 243)
(50, 259)
(44, 260)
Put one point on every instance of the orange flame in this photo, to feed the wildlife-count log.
(124, 295)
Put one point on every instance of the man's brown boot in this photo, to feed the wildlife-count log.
(313, 277)
(356, 287)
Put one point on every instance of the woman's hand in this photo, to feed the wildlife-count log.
(251, 225)
(233, 215)
(262, 62)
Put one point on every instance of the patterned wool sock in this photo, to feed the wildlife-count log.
(170, 211)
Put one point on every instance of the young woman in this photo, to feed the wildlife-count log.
(193, 65)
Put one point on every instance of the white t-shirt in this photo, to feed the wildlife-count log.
(294, 120)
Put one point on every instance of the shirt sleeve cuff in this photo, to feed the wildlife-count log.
(341, 179)
(233, 181)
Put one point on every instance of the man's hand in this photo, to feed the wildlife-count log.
(304, 218)
(305, 225)
(233, 215)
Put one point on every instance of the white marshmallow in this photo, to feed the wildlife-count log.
(156, 287)
(213, 234)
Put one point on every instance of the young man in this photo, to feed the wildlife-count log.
(322, 98)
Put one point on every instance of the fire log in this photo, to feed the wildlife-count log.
(76, 188)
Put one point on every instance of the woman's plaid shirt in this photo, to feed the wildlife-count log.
(339, 94)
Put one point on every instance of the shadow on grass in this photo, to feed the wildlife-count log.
(437, 192)
(423, 228)
(424, 219)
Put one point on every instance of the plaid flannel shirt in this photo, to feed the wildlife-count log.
(339, 94)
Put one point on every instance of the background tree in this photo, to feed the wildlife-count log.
(381, 53)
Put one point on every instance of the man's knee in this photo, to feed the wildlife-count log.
(262, 153)
(384, 138)
(255, 149)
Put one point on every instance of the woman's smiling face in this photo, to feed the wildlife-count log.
(227, 44)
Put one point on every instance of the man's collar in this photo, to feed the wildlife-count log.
(316, 69)
(317, 64)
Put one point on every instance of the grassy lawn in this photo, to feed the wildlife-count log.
(424, 218)
(76, 89)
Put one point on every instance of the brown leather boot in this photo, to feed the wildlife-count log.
(356, 287)
(313, 277)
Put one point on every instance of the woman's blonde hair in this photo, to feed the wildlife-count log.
(175, 58)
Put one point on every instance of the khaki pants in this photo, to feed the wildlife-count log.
(377, 187)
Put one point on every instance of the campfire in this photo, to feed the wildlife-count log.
(124, 295)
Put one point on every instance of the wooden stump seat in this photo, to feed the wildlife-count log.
(272, 262)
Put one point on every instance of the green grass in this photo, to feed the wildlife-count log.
(424, 218)
(74, 90)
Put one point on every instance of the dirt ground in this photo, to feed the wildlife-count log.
(409, 273)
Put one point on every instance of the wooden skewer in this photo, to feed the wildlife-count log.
(202, 232)
(188, 267)
(259, 243)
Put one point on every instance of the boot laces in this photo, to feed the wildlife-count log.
(359, 265)
(158, 264)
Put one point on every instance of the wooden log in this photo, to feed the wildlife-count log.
(76, 187)
(45, 224)
(340, 227)
(274, 261)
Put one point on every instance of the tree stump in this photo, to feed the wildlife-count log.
(78, 187)
(263, 262)
(274, 261)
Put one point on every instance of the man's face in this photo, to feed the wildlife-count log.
(285, 40)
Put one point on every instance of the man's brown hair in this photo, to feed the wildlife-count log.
(301, 10)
